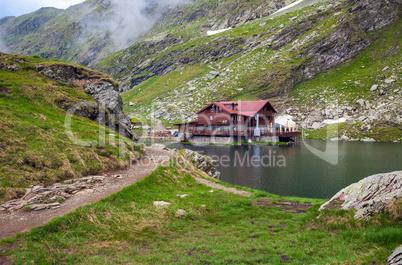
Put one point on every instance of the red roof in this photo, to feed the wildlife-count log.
(243, 108)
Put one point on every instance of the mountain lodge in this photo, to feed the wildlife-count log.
(245, 119)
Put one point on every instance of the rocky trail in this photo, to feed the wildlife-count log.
(40, 204)
(221, 187)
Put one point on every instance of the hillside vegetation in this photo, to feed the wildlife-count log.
(204, 227)
(35, 145)
(314, 63)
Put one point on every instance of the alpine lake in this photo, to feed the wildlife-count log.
(308, 168)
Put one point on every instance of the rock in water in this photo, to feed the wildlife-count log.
(368, 139)
(160, 147)
(369, 196)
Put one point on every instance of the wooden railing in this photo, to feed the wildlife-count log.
(239, 133)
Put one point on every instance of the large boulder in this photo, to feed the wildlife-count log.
(369, 196)
(317, 126)
(396, 256)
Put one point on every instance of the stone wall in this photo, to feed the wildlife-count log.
(269, 139)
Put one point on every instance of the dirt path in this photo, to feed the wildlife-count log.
(190, 167)
(16, 222)
(221, 187)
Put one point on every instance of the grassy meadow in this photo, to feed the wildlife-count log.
(35, 146)
(220, 228)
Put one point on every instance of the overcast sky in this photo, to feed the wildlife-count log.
(20, 7)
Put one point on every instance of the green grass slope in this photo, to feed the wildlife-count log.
(35, 146)
(220, 228)
(354, 79)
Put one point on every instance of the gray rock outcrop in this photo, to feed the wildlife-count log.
(317, 126)
(181, 212)
(203, 162)
(109, 108)
(162, 204)
(362, 18)
(40, 198)
(396, 257)
(369, 196)
(212, 75)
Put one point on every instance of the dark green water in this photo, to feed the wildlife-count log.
(296, 171)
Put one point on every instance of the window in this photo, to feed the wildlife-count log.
(238, 118)
(211, 118)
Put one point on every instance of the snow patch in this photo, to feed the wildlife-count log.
(213, 32)
(288, 6)
(334, 121)
(285, 120)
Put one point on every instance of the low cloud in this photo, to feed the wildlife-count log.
(131, 21)
(123, 21)
(133, 18)
(3, 46)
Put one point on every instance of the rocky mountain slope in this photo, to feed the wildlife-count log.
(327, 60)
(88, 32)
(54, 124)
(174, 40)
(84, 33)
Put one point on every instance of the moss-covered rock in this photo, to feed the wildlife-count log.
(369, 196)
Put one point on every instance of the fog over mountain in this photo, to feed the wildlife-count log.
(84, 33)
(3, 47)
(133, 18)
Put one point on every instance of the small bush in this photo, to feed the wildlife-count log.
(27, 208)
